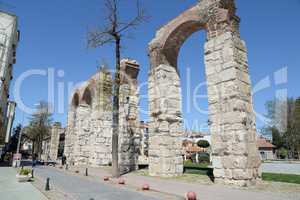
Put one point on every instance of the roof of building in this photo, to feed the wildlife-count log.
(144, 124)
(263, 143)
(191, 146)
(194, 134)
(194, 149)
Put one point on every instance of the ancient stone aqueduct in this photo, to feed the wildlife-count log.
(231, 117)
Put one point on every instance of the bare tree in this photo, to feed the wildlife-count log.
(112, 33)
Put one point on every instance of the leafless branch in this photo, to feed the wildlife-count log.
(115, 28)
(98, 38)
(137, 20)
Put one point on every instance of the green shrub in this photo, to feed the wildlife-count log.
(188, 161)
(204, 158)
(203, 144)
(282, 153)
(25, 171)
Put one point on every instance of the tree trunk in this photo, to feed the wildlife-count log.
(115, 135)
(33, 148)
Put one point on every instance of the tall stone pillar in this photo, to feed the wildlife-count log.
(101, 120)
(231, 116)
(82, 128)
(71, 129)
(128, 116)
(71, 136)
(54, 141)
(165, 126)
(232, 122)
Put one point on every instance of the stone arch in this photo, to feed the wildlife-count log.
(75, 101)
(231, 113)
(176, 39)
(87, 97)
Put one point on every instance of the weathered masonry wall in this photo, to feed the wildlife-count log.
(89, 133)
(88, 138)
(231, 116)
(128, 116)
(56, 131)
(165, 153)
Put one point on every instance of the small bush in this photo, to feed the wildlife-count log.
(25, 171)
(203, 144)
(282, 153)
(188, 161)
(204, 158)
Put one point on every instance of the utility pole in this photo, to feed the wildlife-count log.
(17, 158)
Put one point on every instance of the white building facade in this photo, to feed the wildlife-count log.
(9, 38)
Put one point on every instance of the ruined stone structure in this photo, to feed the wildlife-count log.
(56, 132)
(86, 143)
(231, 116)
(89, 132)
(128, 116)
(143, 141)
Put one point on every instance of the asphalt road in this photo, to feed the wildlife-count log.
(83, 189)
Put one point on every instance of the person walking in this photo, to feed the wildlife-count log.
(63, 159)
(34, 156)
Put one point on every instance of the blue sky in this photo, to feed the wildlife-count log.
(53, 35)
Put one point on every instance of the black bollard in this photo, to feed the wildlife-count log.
(47, 188)
(86, 172)
(32, 171)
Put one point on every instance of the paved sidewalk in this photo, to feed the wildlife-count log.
(82, 188)
(264, 191)
(10, 189)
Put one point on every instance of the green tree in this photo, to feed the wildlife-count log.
(297, 126)
(284, 125)
(277, 138)
(13, 143)
(39, 127)
(282, 153)
(203, 144)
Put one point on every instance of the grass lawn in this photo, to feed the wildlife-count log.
(287, 178)
(199, 169)
(203, 169)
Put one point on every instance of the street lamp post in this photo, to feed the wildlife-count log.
(17, 156)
